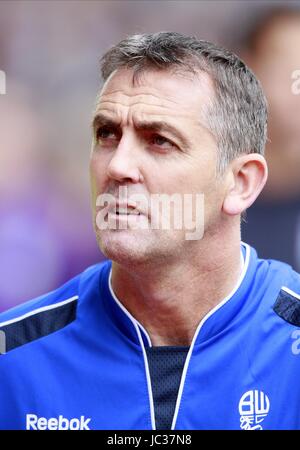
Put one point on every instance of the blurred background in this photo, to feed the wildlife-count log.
(49, 51)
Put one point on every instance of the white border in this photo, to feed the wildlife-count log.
(136, 325)
(36, 311)
(126, 310)
(219, 305)
(289, 291)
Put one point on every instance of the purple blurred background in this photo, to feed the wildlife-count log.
(50, 53)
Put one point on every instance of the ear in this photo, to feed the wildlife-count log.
(245, 179)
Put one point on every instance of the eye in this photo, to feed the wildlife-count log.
(105, 133)
(162, 142)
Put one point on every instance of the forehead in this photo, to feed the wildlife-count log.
(156, 92)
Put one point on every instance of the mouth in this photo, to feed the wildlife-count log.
(124, 209)
(124, 216)
(126, 212)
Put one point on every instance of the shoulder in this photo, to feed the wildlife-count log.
(273, 287)
(61, 295)
(68, 292)
(281, 287)
(287, 303)
(46, 314)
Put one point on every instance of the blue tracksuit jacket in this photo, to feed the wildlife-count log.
(76, 359)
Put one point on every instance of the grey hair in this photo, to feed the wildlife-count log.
(237, 116)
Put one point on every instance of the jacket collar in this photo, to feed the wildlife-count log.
(214, 322)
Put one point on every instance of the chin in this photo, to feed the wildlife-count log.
(123, 249)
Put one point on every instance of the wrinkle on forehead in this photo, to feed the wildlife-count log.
(122, 81)
(168, 92)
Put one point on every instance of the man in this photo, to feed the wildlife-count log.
(179, 329)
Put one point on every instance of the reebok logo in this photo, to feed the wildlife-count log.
(33, 422)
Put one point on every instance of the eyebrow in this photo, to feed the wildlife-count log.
(102, 120)
(156, 126)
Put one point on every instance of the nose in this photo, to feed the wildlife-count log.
(124, 164)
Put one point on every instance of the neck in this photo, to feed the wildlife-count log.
(170, 300)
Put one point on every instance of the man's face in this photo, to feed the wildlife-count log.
(149, 138)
